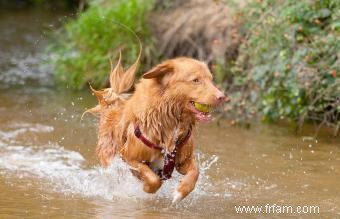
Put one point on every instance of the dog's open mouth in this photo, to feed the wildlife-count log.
(201, 111)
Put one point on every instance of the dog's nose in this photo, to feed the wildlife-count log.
(220, 97)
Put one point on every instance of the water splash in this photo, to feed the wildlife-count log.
(67, 171)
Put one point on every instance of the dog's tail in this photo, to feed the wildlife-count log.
(120, 82)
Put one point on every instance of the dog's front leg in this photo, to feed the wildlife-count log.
(151, 181)
(190, 171)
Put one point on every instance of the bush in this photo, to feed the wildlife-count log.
(289, 63)
(85, 45)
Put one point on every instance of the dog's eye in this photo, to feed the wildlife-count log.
(196, 80)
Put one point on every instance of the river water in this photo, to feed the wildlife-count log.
(48, 167)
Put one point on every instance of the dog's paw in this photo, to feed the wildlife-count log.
(177, 197)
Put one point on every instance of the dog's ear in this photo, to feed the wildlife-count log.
(160, 70)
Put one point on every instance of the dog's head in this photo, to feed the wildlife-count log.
(191, 79)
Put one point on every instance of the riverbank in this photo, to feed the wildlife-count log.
(274, 61)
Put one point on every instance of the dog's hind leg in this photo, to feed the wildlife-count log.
(106, 146)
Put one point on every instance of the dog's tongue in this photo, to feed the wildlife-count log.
(201, 117)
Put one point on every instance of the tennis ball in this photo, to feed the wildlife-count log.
(202, 107)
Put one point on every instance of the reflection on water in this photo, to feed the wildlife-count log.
(48, 168)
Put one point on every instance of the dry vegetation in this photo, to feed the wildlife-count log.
(207, 30)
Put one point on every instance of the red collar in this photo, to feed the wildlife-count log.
(169, 158)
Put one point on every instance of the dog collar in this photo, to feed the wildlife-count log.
(169, 158)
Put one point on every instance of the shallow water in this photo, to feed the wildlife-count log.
(48, 167)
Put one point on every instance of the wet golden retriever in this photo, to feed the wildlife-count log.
(151, 129)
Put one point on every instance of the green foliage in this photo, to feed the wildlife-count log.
(291, 59)
(86, 44)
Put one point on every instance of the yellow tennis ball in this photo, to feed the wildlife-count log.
(202, 107)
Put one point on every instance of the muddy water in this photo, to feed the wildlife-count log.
(48, 168)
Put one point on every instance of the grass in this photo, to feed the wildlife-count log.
(85, 45)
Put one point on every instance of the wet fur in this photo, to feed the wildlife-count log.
(159, 107)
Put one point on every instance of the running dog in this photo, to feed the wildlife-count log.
(151, 129)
